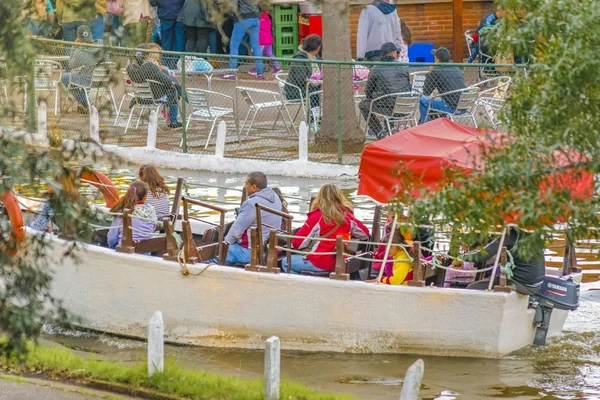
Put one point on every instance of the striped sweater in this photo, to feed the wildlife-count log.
(160, 203)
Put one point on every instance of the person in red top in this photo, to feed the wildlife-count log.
(331, 215)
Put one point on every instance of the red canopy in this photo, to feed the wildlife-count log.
(425, 151)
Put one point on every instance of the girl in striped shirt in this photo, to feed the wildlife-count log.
(158, 193)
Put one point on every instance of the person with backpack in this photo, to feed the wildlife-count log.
(485, 25)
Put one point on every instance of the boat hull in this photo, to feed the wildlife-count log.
(229, 307)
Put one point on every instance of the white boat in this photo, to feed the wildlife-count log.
(230, 307)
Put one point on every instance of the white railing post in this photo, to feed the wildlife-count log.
(221, 135)
(42, 123)
(94, 124)
(303, 142)
(272, 368)
(152, 130)
(412, 381)
(156, 344)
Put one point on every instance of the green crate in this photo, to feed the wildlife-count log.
(285, 14)
(287, 40)
(285, 52)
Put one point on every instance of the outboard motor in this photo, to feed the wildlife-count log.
(560, 293)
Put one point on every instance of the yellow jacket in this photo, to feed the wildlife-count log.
(79, 10)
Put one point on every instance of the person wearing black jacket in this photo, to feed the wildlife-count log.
(528, 272)
(144, 68)
(384, 80)
(444, 79)
(300, 72)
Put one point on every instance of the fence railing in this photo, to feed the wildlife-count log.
(345, 104)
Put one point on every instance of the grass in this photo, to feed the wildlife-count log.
(175, 380)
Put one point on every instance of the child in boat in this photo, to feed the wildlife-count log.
(143, 216)
(401, 270)
(158, 191)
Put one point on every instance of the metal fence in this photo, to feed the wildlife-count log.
(344, 104)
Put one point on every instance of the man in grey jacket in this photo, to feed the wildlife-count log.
(238, 236)
(378, 23)
(384, 80)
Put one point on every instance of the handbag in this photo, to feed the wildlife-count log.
(114, 8)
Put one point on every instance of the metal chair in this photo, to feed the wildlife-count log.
(100, 82)
(493, 98)
(316, 112)
(203, 110)
(144, 100)
(299, 101)
(129, 95)
(255, 107)
(464, 109)
(469, 39)
(43, 79)
(417, 80)
(404, 111)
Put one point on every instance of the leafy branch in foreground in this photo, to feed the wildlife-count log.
(553, 120)
(26, 300)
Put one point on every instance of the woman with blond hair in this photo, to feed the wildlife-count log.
(158, 191)
(331, 215)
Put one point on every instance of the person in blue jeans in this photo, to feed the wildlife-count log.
(444, 79)
(248, 23)
(172, 32)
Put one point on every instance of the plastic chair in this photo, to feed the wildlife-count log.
(203, 110)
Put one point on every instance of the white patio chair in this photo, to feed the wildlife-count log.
(493, 98)
(417, 80)
(129, 95)
(316, 112)
(465, 108)
(255, 107)
(298, 102)
(404, 111)
(100, 82)
(44, 79)
(204, 110)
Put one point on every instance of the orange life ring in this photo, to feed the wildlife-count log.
(16, 220)
(100, 181)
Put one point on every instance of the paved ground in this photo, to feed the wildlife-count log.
(14, 388)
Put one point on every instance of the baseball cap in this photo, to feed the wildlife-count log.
(442, 54)
(388, 47)
(84, 34)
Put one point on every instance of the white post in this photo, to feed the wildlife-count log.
(272, 368)
(152, 129)
(156, 344)
(412, 381)
(42, 123)
(94, 124)
(303, 142)
(221, 135)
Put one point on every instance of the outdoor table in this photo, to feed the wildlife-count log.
(208, 74)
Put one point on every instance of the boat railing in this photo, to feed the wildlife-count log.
(286, 227)
(208, 249)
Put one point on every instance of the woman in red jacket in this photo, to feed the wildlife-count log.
(330, 216)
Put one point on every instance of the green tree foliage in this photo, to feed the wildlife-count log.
(553, 120)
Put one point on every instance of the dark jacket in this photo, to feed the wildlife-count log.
(140, 73)
(247, 9)
(195, 13)
(387, 79)
(84, 56)
(445, 79)
(300, 73)
(168, 9)
(527, 271)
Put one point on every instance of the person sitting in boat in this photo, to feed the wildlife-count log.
(143, 216)
(238, 236)
(48, 220)
(330, 215)
(158, 191)
(528, 272)
(400, 271)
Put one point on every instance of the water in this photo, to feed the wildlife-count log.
(568, 368)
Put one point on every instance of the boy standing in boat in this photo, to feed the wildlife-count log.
(238, 236)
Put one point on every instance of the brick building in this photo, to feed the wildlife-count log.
(428, 20)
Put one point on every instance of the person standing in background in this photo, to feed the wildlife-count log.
(378, 24)
(136, 14)
(265, 39)
(97, 22)
(247, 23)
(195, 15)
(172, 32)
(71, 14)
(41, 18)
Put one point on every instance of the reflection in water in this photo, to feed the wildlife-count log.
(569, 368)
